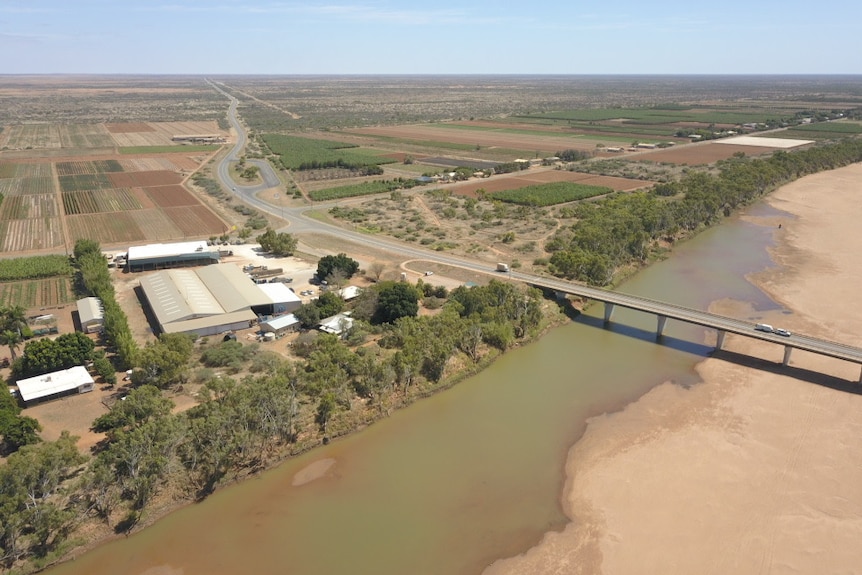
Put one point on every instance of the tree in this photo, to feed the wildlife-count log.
(395, 300)
(164, 363)
(375, 270)
(328, 264)
(278, 244)
(141, 405)
(12, 323)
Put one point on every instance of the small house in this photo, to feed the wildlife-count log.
(56, 384)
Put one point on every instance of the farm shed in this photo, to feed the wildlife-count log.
(336, 324)
(281, 299)
(174, 255)
(280, 325)
(211, 300)
(55, 384)
(90, 314)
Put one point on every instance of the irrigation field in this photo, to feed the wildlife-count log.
(108, 199)
(43, 293)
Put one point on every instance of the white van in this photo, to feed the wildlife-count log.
(764, 327)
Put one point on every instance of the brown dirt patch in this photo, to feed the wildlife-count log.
(128, 128)
(499, 184)
(196, 221)
(171, 196)
(705, 153)
(144, 179)
(484, 138)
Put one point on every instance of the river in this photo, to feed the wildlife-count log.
(470, 475)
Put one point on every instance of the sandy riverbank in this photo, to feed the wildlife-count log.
(754, 470)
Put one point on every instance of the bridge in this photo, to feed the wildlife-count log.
(723, 325)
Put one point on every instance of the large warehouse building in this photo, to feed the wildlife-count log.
(174, 255)
(211, 300)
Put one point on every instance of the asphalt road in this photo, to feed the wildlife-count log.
(299, 223)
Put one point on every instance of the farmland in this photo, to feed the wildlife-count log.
(299, 153)
(44, 293)
(550, 194)
(110, 199)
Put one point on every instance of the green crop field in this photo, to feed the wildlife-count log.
(550, 194)
(34, 267)
(303, 153)
(362, 189)
(8, 170)
(37, 293)
(85, 182)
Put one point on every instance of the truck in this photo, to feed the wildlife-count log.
(502, 267)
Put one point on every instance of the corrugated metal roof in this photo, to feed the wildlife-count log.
(203, 323)
(231, 287)
(89, 309)
(53, 383)
(280, 322)
(164, 298)
(196, 293)
(166, 250)
(278, 293)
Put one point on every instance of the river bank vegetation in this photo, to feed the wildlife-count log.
(255, 408)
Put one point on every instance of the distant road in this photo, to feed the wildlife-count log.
(299, 223)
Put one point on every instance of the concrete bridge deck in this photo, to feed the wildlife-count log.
(721, 324)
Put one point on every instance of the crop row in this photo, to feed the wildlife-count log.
(85, 182)
(34, 267)
(550, 194)
(362, 189)
(29, 206)
(296, 152)
(94, 201)
(93, 167)
(85, 136)
(31, 294)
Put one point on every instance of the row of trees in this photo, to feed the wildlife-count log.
(624, 229)
(241, 424)
(93, 278)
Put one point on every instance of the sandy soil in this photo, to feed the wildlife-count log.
(754, 470)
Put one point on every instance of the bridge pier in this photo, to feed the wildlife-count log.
(719, 341)
(787, 350)
(609, 310)
(662, 320)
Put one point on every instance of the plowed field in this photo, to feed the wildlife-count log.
(524, 179)
(171, 196)
(196, 220)
(485, 138)
(144, 179)
(696, 154)
(31, 234)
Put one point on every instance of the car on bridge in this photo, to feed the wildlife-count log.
(764, 327)
(783, 332)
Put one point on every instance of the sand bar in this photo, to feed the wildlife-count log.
(753, 470)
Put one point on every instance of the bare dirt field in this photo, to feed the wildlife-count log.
(705, 153)
(484, 138)
(144, 179)
(523, 179)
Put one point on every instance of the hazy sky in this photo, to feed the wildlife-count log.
(423, 37)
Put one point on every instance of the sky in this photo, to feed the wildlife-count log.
(213, 37)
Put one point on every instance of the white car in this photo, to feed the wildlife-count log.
(782, 331)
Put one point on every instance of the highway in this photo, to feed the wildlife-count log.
(299, 223)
